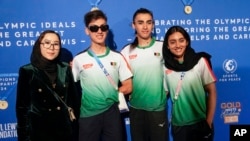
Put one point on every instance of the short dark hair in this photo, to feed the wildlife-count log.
(142, 11)
(94, 15)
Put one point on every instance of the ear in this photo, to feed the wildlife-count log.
(133, 25)
(86, 31)
(187, 43)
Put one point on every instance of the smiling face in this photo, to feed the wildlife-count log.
(177, 45)
(99, 36)
(143, 24)
(50, 46)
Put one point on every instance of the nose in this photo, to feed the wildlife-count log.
(177, 44)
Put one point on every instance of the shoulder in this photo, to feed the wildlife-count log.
(205, 63)
(115, 55)
(27, 67)
(205, 57)
(125, 49)
(126, 46)
(63, 64)
(26, 70)
(80, 54)
(158, 43)
(114, 52)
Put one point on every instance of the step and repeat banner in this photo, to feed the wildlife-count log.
(221, 28)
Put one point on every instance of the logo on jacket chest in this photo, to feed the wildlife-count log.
(87, 66)
(132, 56)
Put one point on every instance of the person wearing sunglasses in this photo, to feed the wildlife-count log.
(148, 112)
(40, 115)
(98, 69)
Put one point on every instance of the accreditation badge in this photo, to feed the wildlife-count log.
(3, 104)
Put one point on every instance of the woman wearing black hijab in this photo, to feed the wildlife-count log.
(41, 116)
(191, 83)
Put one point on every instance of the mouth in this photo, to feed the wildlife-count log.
(178, 49)
(50, 53)
(145, 32)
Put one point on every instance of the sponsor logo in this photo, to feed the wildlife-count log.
(230, 111)
(86, 66)
(133, 56)
(229, 66)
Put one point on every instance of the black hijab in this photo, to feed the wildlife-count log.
(37, 60)
(191, 58)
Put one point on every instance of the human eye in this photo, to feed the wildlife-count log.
(171, 42)
(182, 40)
(140, 22)
(47, 42)
(150, 22)
(56, 44)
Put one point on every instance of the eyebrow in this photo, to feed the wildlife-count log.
(182, 38)
(50, 40)
(144, 21)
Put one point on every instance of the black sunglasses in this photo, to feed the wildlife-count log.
(95, 28)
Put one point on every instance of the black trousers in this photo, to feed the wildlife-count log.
(196, 132)
(148, 125)
(106, 126)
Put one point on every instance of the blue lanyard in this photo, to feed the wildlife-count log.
(103, 69)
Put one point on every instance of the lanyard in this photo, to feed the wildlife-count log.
(177, 90)
(103, 69)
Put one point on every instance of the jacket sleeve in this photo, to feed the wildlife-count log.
(22, 105)
(74, 94)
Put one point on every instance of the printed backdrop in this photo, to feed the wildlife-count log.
(221, 28)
